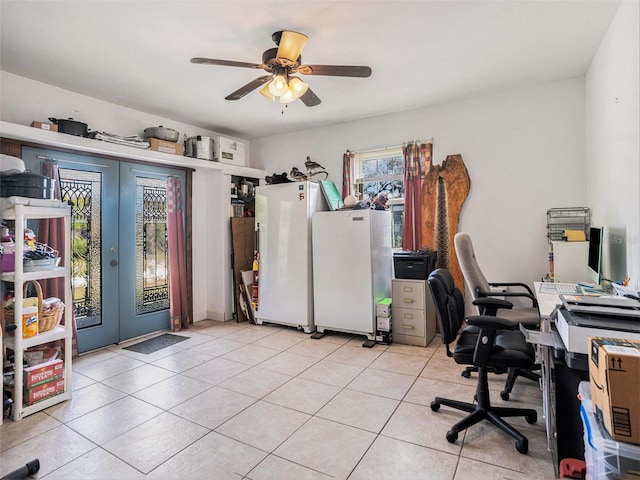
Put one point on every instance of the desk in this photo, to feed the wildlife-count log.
(547, 302)
(562, 372)
(561, 407)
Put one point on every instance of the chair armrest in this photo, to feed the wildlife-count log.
(486, 322)
(513, 284)
(490, 305)
(485, 344)
(530, 296)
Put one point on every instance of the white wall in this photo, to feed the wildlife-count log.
(524, 150)
(613, 139)
(23, 100)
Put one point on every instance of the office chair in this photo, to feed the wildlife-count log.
(487, 342)
(481, 288)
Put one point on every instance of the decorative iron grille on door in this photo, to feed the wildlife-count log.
(152, 254)
(84, 191)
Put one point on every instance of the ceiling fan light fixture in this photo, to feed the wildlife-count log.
(288, 97)
(278, 85)
(267, 93)
(290, 45)
(297, 87)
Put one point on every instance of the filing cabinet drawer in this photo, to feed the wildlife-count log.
(409, 294)
(406, 321)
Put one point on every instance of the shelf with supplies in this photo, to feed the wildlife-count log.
(242, 194)
(41, 369)
(57, 140)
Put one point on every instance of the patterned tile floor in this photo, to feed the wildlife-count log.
(240, 401)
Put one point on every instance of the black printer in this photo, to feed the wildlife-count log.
(414, 264)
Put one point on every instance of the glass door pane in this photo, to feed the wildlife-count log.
(152, 255)
(84, 191)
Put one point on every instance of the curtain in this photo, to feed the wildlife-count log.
(417, 161)
(347, 173)
(178, 304)
(51, 232)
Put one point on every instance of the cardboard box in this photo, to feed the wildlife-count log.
(614, 371)
(384, 338)
(383, 324)
(45, 126)
(43, 372)
(44, 390)
(605, 458)
(228, 150)
(164, 146)
(383, 308)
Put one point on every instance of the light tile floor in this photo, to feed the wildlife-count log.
(240, 401)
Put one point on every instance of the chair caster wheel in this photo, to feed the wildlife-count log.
(435, 406)
(466, 374)
(531, 418)
(504, 395)
(452, 436)
(523, 446)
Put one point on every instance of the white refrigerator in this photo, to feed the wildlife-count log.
(352, 270)
(285, 278)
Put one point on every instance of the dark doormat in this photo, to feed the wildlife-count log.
(154, 344)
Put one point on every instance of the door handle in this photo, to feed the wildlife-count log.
(114, 263)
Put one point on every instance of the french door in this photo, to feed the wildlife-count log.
(120, 264)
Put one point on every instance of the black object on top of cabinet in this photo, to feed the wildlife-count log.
(415, 265)
(25, 184)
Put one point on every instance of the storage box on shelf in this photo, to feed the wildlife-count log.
(228, 150)
(614, 369)
(605, 458)
(163, 146)
(45, 126)
(26, 401)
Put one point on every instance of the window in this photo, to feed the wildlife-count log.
(382, 171)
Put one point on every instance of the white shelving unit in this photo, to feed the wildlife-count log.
(20, 210)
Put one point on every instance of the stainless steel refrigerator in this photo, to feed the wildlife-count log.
(285, 275)
(352, 269)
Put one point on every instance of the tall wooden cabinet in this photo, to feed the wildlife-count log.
(19, 210)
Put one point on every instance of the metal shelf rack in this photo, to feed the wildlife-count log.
(561, 219)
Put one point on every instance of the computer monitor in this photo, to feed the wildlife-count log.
(595, 254)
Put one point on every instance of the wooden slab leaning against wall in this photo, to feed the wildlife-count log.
(444, 191)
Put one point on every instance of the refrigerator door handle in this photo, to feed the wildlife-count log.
(257, 238)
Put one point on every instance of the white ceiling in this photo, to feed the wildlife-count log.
(136, 53)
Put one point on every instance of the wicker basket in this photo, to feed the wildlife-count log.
(46, 320)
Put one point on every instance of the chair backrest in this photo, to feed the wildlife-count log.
(473, 276)
(449, 304)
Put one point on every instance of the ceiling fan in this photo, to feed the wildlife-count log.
(282, 63)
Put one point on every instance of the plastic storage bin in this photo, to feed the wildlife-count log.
(605, 457)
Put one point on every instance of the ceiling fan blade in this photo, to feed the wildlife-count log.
(336, 70)
(226, 63)
(249, 87)
(291, 45)
(310, 99)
